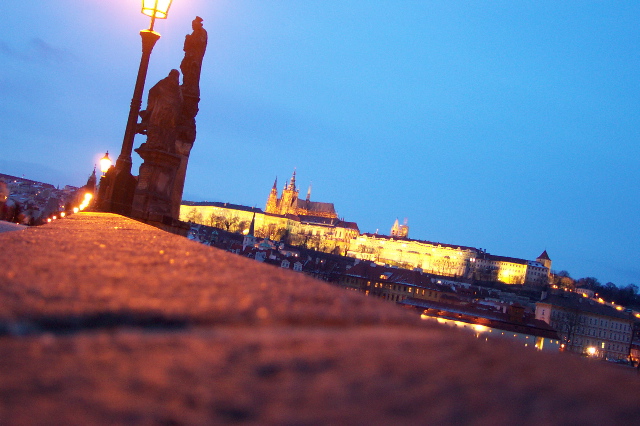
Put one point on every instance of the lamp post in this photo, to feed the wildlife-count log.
(122, 184)
(105, 164)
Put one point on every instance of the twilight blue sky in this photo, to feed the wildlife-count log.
(505, 125)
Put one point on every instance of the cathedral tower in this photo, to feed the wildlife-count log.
(289, 199)
(272, 201)
(398, 230)
(290, 203)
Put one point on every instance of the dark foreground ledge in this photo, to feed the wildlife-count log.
(104, 320)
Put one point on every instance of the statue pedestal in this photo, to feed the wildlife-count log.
(155, 183)
(116, 191)
(170, 126)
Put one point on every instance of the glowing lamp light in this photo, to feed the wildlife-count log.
(480, 328)
(105, 163)
(591, 350)
(156, 9)
(76, 210)
(87, 199)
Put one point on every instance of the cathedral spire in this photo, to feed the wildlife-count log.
(252, 227)
(91, 182)
(309, 193)
(249, 239)
(272, 201)
(398, 230)
(293, 180)
(395, 228)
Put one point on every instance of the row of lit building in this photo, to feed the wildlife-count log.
(333, 235)
(315, 225)
(574, 322)
(450, 260)
(568, 321)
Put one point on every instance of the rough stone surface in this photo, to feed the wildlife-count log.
(104, 320)
(8, 226)
(101, 264)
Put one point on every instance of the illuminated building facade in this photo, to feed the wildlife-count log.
(289, 203)
(315, 225)
(448, 260)
(434, 258)
(510, 270)
(311, 224)
(330, 235)
(588, 326)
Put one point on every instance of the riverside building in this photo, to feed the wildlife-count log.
(587, 326)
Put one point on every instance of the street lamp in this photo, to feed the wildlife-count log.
(105, 163)
(119, 196)
(156, 9)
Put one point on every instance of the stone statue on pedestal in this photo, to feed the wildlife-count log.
(170, 125)
(195, 45)
(160, 119)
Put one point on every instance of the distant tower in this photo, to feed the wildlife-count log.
(252, 226)
(289, 198)
(398, 230)
(307, 202)
(293, 179)
(404, 229)
(272, 201)
(249, 240)
(395, 229)
(545, 260)
(91, 182)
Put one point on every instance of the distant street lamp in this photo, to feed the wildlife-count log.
(119, 196)
(105, 163)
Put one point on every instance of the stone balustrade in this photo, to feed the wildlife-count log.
(105, 320)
